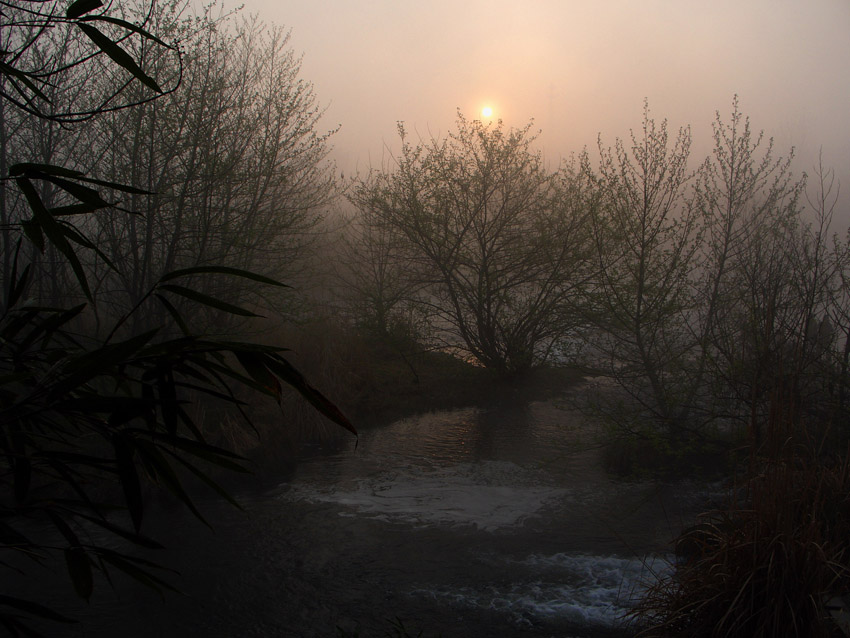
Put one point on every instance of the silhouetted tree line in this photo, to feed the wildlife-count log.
(162, 172)
(230, 168)
(708, 296)
(156, 170)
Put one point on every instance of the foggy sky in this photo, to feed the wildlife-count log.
(579, 68)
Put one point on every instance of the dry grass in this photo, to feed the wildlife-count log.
(767, 563)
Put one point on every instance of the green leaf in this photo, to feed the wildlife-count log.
(31, 169)
(161, 468)
(17, 286)
(79, 569)
(33, 232)
(206, 300)
(116, 186)
(167, 399)
(129, 26)
(11, 72)
(53, 230)
(22, 467)
(174, 314)
(286, 371)
(34, 609)
(119, 55)
(85, 194)
(130, 566)
(220, 270)
(139, 539)
(254, 364)
(82, 7)
(71, 209)
(129, 478)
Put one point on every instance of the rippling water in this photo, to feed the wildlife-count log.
(496, 521)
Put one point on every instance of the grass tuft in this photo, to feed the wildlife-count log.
(767, 564)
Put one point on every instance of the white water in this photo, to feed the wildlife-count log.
(493, 495)
(497, 521)
(582, 588)
(488, 496)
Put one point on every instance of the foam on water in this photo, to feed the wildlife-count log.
(581, 588)
(489, 496)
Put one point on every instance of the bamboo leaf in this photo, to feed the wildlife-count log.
(221, 270)
(85, 194)
(33, 232)
(50, 325)
(119, 55)
(32, 169)
(203, 476)
(255, 366)
(139, 539)
(11, 538)
(34, 609)
(40, 171)
(205, 451)
(168, 400)
(129, 26)
(22, 468)
(124, 188)
(71, 209)
(11, 72)
(130, 567)
(201, 298)
(82, 7)
(79, 569)
(153, 458)
(54, 231)
(101, 359)
(129, 477)
(81, 240)
(174, 313)
(17, 286)
(63, 528)
(286, 371)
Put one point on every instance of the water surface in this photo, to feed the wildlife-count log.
(487, 521)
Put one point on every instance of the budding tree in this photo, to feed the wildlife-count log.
(495, 242)
(644, 231)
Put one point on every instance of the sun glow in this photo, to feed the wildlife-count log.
(487, 112)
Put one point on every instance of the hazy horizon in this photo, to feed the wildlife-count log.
(577, 69)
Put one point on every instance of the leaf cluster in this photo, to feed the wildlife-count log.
(86, 422)
(78, 414)
(96, 40)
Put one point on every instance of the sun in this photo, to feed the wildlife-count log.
(487, 112)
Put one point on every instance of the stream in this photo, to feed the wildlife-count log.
(489, 521)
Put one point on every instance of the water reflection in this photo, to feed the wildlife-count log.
(498, 520)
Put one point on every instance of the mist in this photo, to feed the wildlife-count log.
(577, 69)
(393, 319)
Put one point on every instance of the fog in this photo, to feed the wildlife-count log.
(488, 395)
(577, 68)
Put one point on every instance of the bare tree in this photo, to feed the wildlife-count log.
(233, 163)
(376, 283)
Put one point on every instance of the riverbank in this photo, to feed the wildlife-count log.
(375, 381)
